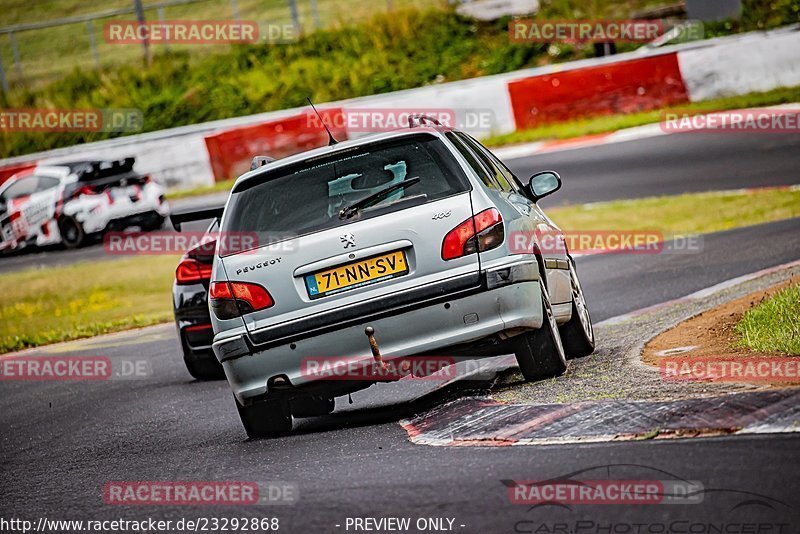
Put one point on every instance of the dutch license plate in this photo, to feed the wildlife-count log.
(357, 274)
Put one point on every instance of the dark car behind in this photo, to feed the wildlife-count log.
(190, 302)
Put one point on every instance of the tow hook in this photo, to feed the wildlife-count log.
(373, 345)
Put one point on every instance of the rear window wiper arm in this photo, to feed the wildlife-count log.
(352, 209)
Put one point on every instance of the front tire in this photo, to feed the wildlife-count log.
(577, 335)
(540, 353)
(266, 418)
(72, 234)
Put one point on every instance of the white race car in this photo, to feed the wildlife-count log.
(70, 202)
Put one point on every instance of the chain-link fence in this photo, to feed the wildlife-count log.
(41, 51)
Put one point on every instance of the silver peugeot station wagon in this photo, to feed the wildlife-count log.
(401, 245)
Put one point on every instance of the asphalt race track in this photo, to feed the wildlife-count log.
(359, 463)
(668, 165)
(664, 165)
(63, 441)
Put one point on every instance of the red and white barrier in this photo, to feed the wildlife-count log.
(622, 87)
(231, 151)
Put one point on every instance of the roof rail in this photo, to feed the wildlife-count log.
(421, 120)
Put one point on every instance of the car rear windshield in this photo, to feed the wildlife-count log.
(304, 198)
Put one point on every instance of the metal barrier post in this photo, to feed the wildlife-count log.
(295, 14)
(15, 49)
(315, 13)
(93, 45)
(137, 6)
(3, 79)
(160, 13)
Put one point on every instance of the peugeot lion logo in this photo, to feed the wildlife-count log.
(349, 240)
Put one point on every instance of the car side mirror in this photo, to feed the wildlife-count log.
(543, 184)
(260, 161)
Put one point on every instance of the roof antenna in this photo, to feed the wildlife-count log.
(331, 139)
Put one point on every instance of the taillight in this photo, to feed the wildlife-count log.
(232, 299)
(482, 232)
(191, 271)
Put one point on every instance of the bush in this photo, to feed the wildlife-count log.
(390, 52)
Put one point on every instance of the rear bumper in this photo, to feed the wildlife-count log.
(507, 299)
(142, 218)
(122, 214)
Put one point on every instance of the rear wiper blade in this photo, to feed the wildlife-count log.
(352, 209)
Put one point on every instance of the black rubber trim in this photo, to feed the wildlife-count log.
(372, 310)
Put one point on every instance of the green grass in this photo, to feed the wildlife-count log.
(653, 434)
(87, 299)
(83, 300)
(773, 325)
(48, 54)
(403, 50)
(694, 213)
(217, 187)
(51, 53)
(611, 123)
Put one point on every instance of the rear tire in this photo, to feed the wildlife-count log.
(266, 418)
(540, 353)
(156, 223)
(203, 366)
(72, 234)
(577, 335)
